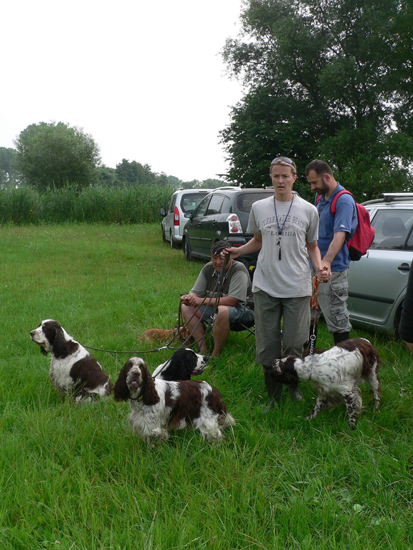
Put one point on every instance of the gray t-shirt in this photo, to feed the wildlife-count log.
(289, 277)
(236, 282)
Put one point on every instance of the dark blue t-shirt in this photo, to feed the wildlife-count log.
(345, 219)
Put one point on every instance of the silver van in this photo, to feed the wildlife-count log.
(377, 282)
(182, 202)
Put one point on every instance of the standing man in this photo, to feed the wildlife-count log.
(334, 232)
(285, 229)
(220, 293)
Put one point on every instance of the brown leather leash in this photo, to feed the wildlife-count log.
(314, 305)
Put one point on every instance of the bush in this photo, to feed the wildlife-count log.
(111, 205)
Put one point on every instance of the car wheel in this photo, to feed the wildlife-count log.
(187, 250)
(163, 235)
(173, 243)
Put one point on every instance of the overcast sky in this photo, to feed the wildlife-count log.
(144, 77)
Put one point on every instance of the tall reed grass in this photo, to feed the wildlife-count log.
(96, 204)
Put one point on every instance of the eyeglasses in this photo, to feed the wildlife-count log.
(286, 160)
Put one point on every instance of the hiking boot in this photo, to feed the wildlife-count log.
(295, 393)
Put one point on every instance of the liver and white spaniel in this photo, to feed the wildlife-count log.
(336, 375)
(183, 364)
(72, 369)
(158, 406)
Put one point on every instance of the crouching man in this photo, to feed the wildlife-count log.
(214, 287)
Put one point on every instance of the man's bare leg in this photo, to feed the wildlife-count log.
(191, 316)
(221, 330)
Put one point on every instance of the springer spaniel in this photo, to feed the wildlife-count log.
(72, 369)
(336, 375)
(158, 406)
(183, 364)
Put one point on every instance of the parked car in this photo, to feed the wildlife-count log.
(378, 281)
(181, 203)
(223, 214)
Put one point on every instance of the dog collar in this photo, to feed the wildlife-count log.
(136, 398)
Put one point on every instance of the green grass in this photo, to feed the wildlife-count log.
(74, 477)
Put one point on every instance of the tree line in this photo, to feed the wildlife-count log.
(54, 155)
(329, 79)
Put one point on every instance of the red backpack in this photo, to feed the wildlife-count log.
(364, 234)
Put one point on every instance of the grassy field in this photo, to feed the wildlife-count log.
(73, 477)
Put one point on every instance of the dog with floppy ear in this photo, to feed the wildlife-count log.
(336, 375)
(158, 406)
(72, 369)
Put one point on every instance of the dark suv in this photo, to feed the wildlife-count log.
(222, 214)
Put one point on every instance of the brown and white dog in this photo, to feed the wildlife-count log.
(164, 336)
(158, 406)
(336, 375)
(72, 369)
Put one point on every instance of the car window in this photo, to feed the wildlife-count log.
(215, 205)
(190, 201)
(246, 200)
(409, 244)
(172, 203)
(202, 207)
(226, 205)
(392, 227)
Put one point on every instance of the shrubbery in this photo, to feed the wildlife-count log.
(112, 205)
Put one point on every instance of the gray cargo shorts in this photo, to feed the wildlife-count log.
(332, 301)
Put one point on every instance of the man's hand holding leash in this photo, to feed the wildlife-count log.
(323, 274)
(191, 300)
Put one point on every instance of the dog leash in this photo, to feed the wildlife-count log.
(168, 346)
(314, 305)
(181, 324)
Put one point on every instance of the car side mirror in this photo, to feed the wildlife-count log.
(162, 212)
(188, 215)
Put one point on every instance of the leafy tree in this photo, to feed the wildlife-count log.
(174, 181)
(328, 79)
(162, 179)
(9, 176)
(56, 154)
(107, 176)
(134, 172)
(193, 184)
